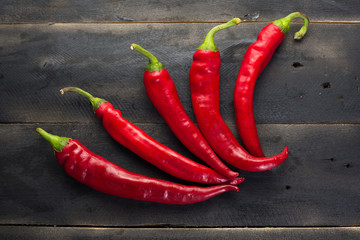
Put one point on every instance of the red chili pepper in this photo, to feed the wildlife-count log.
(162, 92)
(255, 60)
(105, 176)
(137, 141)
(204, 85)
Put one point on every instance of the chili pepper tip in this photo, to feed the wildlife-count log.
(237, 21)
(209, 44)
(237, 181)
(154, 64)
(133, 46)
(58, 143)
(284, 24)
(38, 130)
(95, 102)
(69, 89)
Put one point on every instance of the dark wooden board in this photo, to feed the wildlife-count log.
(316, 186)
(38, 60)
(47, 233)
(307, 98)
(127, 11)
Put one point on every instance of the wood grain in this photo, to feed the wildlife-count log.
(170, 11)
(307, 98)
(315, 80)
(47, 233)
(316, 186)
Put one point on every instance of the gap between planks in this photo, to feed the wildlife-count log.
(167, 226)
(162, 123)
(171, 22)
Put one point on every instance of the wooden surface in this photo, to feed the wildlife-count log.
(80, 233)
(173, 10)
(99, 59)
(308, 98)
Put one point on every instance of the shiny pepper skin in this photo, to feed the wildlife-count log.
(161, 156)
(255, 60)
(204, 84)
(154, 152)
(105, 176)
(162, 92)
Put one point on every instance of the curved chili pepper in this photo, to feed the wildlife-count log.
(105, 176)
(137, 141)
(255, 60)
(204, 84)
(162, 93)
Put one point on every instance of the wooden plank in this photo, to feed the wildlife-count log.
(127, 11)
(38, 60)
(47, 233)
(316, 186)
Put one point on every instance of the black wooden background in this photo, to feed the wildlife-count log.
(307, 98)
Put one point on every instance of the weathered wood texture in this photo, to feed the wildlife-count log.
(47, 233)
(38, 60)
(316, 186)
(307, 98)
(125, 11)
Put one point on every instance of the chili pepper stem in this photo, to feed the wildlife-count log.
(284, 24)
(58, 143)
(154, 64)
(95, 102)
(209, 44)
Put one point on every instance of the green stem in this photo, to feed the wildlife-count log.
(154, 64)
(284, 24)
(209, 44)
(95, 102)
(58, 143)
